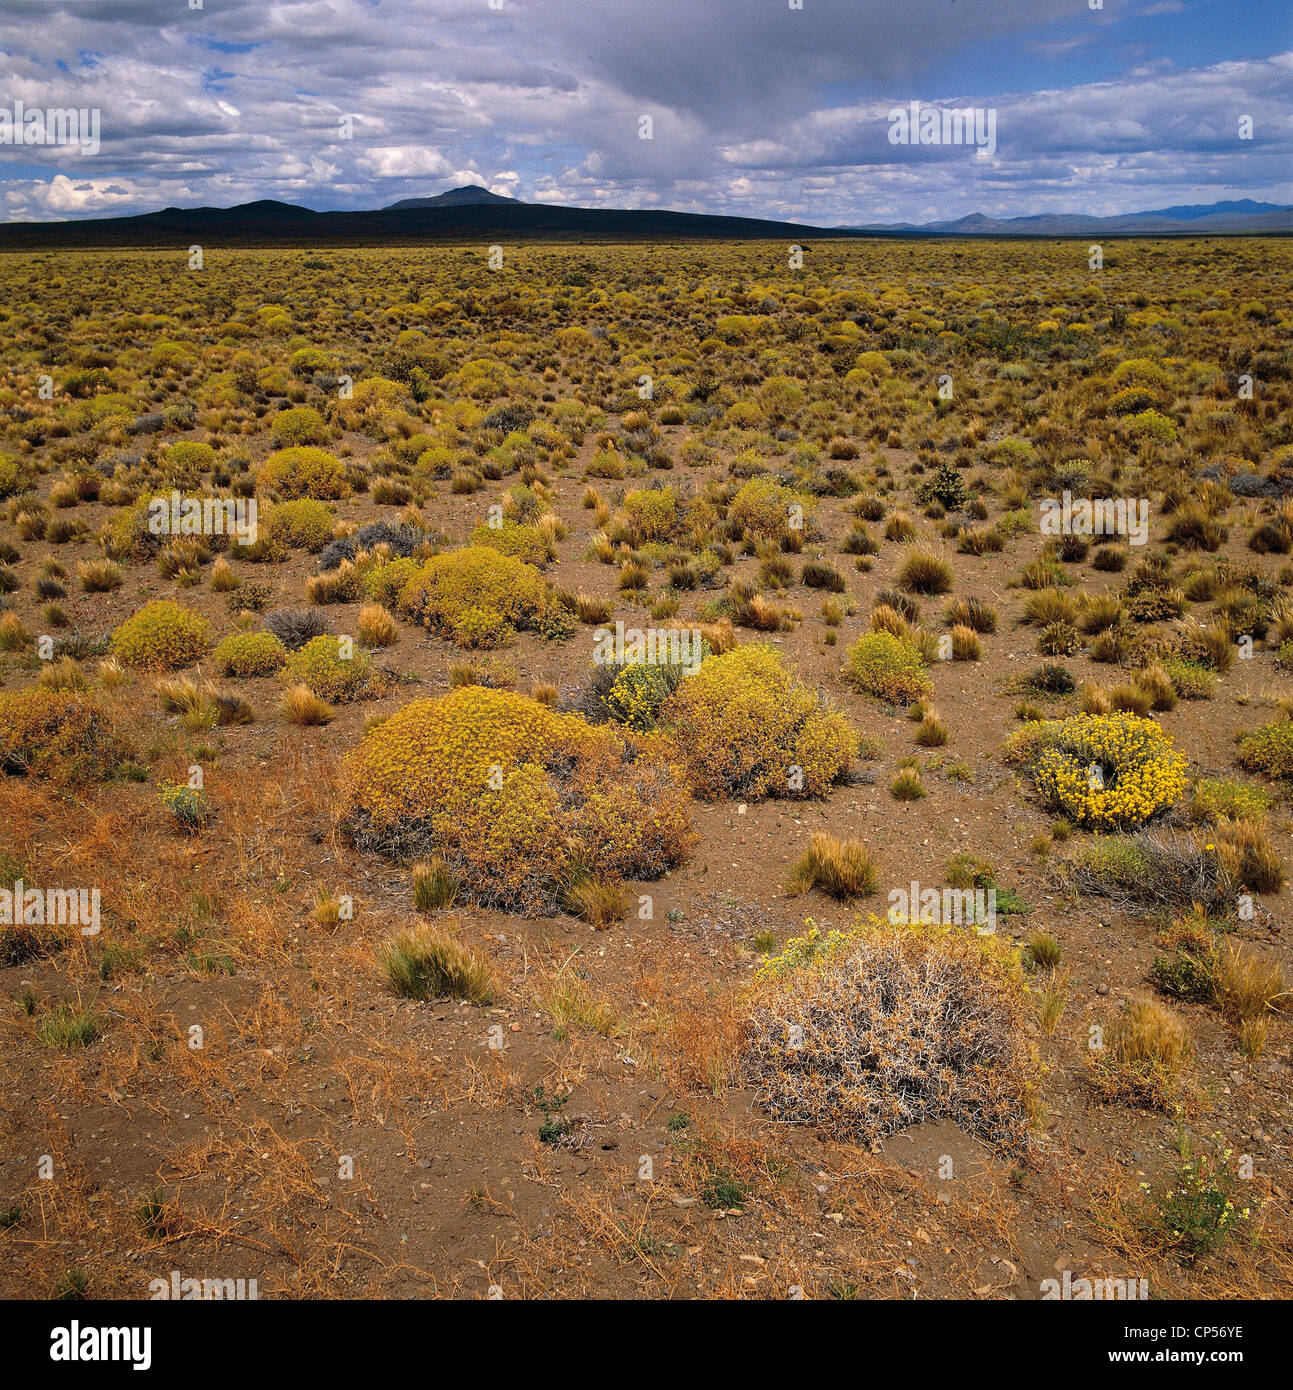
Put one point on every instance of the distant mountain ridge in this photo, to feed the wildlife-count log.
(1244, 217)
(470, 212)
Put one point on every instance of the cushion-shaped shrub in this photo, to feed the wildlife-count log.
(766, 509)
(447, 588)
(62, 736)
(127, 535)
(480, 628)
(888, 667)
(1152, 424)
(162, 636)
(303, 472)
(638, 691)
(1269, 749)
(385, 581)
(746, 727)
(16, 475)
(249, 654)
(515, 797)
(304, 524)
(899, 1023)
(1107, 771)
(652, 514)
(336, 668)
(184, 463)
(299, 425)
(511, 538)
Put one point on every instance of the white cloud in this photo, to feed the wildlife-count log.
(756, 109)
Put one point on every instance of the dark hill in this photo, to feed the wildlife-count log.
(281, 224)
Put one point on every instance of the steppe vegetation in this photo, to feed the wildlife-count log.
(514, 967)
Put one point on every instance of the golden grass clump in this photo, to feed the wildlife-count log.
(965, 643)
(601, 902)
(1247, 986)
(840, 868)
(1247, 856)
(926, 572)
(14, 637)
(300, 705)
(99, 576)
(428, 962)
(377, 627)
(434, 886)
(1144, 1055)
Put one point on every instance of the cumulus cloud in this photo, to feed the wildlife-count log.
(751, 107)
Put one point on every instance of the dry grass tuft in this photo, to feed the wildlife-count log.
(840, 868)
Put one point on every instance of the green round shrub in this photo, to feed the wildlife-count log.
(249, 654)
(335, 668)
(303, 472)
(162, 636)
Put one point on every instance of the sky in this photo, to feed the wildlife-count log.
(766, 108)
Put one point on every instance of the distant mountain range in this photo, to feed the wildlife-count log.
(1239, 218)
(469, 213)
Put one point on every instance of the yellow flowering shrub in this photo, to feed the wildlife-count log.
(303, 472)
(515, 796)
(16, 475)
(1107, 772)
(162, 636)
(888, 667)
(474, 595)
(249, 654)
(335, 668)
(746, 727)
(384, 579)
(59, 735)
(867, 1031)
